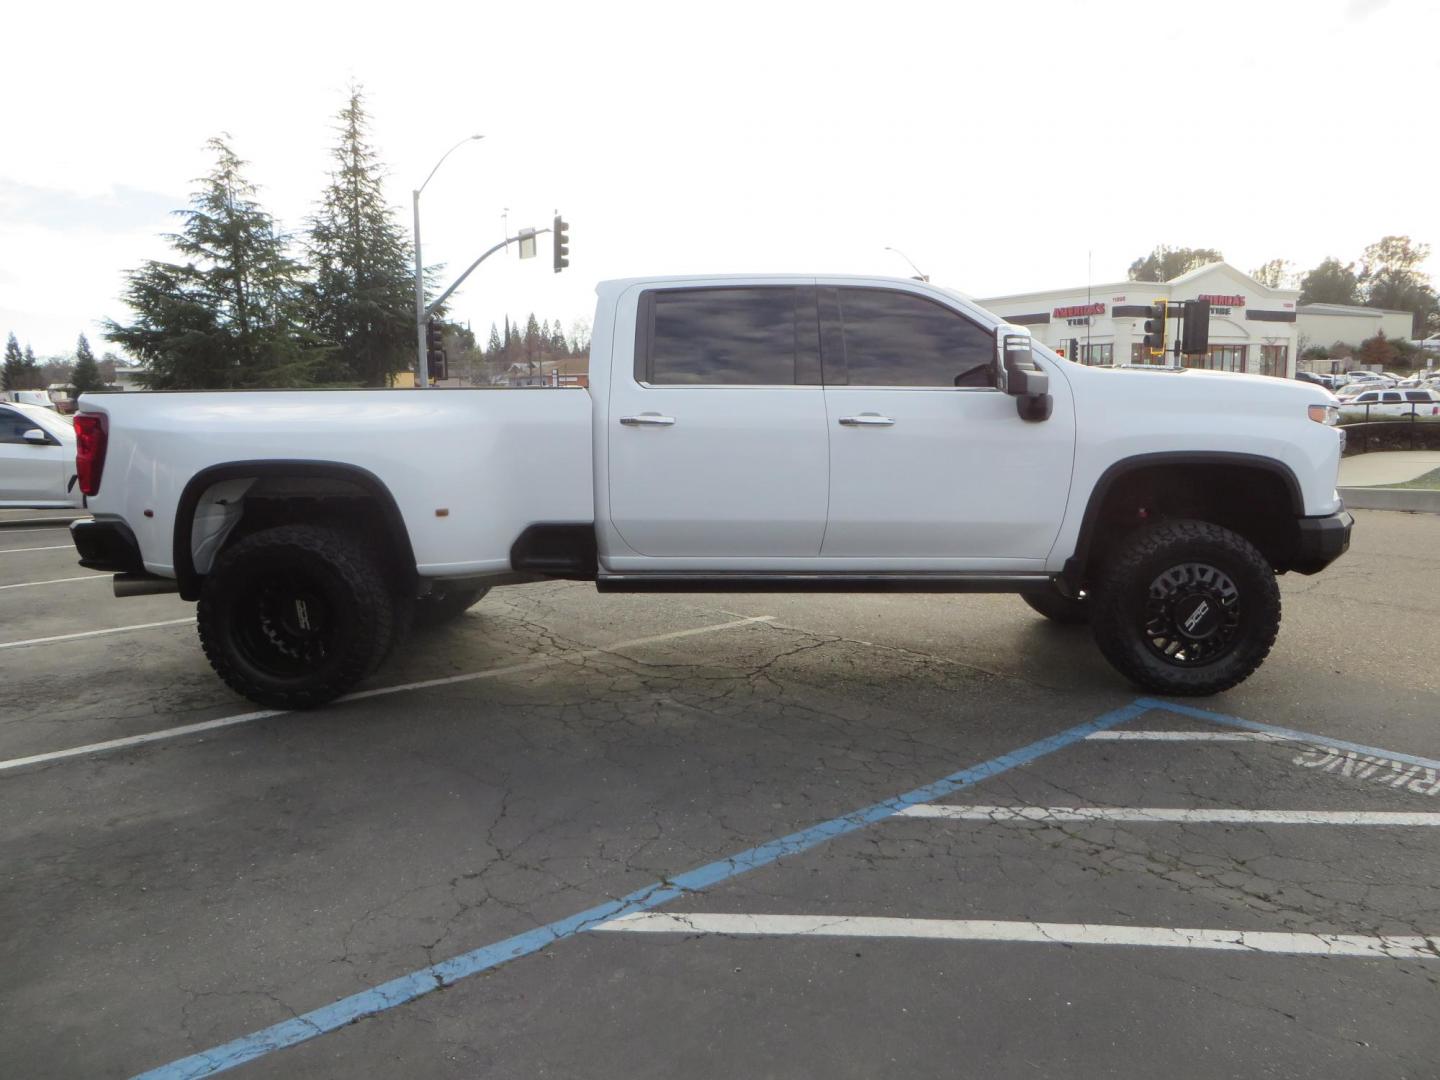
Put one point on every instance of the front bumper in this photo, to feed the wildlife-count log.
(106, 543)
(1322, 541)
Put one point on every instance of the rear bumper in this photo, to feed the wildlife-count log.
(1322, 541)
(106, 543)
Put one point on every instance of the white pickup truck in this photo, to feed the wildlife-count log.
(738, 433)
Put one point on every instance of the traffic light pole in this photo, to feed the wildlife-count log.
(422, 312)
(422, 373)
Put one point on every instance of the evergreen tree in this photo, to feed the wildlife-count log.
(30, 376)
(86, 376)
(532, 342)
(227, 316)
(494, 347)
(14, 365)
(363, 291)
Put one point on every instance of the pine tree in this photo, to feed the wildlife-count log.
(227, 316)
(492, 349)
(86, 376)
(363, 292)
(532, 342)
(30, 377)
(14, 365)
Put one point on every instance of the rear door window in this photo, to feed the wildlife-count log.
(762, 336)
(1390, 397)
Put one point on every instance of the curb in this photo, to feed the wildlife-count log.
(1414, 500)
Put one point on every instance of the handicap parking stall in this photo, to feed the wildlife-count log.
(588, 836)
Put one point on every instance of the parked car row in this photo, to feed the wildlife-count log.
(37, 458)
(1355, 382)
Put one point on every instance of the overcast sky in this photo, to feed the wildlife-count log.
(1005, 147)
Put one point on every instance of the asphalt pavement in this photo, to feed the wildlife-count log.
(651, 836)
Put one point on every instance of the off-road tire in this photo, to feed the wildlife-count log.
(443, 605)
(1138, 610)
(1060, 609)
(294, 616)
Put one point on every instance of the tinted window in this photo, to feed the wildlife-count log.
(1390, 396)
(1417, 395)
(1371, 396)
(899, 339)
(741, 337)
(13, 426)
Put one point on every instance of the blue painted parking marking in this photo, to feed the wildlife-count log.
(1285, 733)
(417, 984)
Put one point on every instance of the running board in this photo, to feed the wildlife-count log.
(830, 582)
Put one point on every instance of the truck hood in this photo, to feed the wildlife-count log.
(1228, 389)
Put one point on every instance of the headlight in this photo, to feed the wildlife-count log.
(1329, 415)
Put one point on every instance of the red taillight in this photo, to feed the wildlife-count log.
(91, 434)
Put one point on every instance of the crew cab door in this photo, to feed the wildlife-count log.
(31, 473)
(930, 462)
(716, 433)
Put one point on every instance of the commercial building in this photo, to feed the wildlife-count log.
(1331, 324)
(1252, 326)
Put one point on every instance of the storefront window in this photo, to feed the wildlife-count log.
(1221, 358)
(1097, 354)
(1141, 355)
(1274, 360)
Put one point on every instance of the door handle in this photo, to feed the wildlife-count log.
(647, 419)
(867, 419)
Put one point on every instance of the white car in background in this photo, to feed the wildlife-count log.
(1425, 404)
(37, 458)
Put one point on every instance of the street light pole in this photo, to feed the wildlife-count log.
(422, 367)
(918, 273)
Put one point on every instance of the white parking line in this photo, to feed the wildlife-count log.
(56, 581)
(93, 633)
(449, 680)
(1000, 814)
(57, 547)
(851, 926)
(1184, 736)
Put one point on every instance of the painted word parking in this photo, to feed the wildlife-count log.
(571, 835)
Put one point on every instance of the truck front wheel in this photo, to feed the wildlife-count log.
(1186, 607)
(294, 616)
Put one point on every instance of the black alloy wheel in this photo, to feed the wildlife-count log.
(1193, 616)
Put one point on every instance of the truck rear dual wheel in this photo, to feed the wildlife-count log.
(294, 616)
(1186, 608)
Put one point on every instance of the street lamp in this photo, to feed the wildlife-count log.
(422, 375)
(918, 274)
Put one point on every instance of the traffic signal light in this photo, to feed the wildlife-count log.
(561, 229)
(1155, 329)
(435, 351)
(1195, 335)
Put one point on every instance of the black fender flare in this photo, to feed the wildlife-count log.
(202, 481)
(1075, 565)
